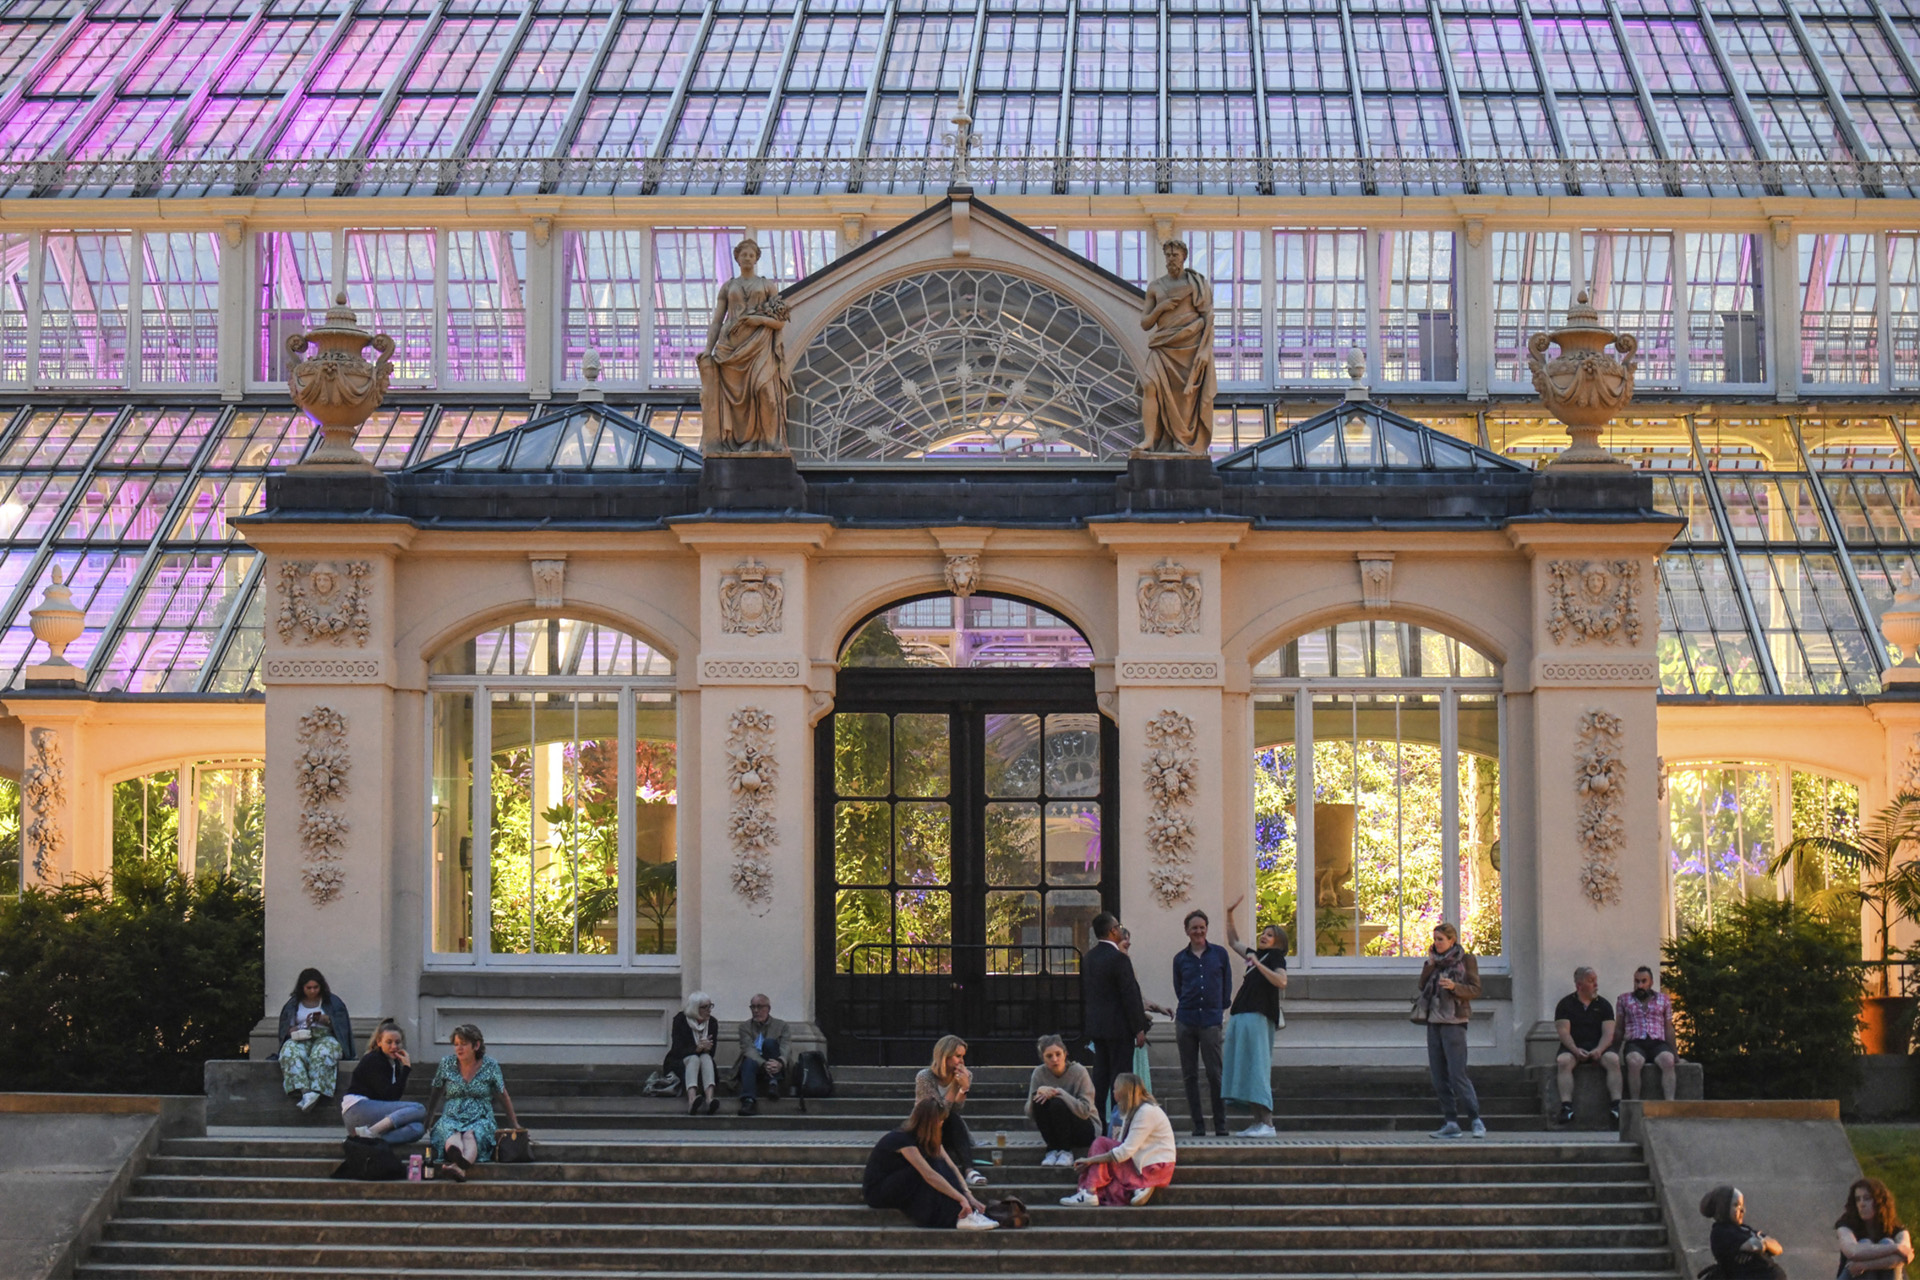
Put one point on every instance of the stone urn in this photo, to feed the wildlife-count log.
(336, 386)
(56, 624)
(1585, 385)
(1900, 624)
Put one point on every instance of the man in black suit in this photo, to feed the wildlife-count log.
(1115, 1014)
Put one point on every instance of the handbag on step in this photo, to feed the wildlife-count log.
(513, 1146)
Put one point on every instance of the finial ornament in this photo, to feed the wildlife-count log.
(336, 387)
(1900, 624)
(1584, 386)
(56, 624)
(1357, 374)
(962, 140)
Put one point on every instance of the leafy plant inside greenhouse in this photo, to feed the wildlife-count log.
(128, 986)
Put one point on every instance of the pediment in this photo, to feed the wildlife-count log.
(963, 335)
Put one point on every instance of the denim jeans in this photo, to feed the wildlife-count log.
(409, 1119)
(1447, 1061)
(752, 1078)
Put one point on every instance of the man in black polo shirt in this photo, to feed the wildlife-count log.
(1584, 1021)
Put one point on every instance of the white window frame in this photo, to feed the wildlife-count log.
(1302, 691)
(481, 955)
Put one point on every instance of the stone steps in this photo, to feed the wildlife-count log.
(640, 1195)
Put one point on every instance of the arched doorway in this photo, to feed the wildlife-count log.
(967, 825)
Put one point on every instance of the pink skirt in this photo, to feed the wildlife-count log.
(1116, 1183)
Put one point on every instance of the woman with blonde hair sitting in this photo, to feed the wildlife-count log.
(947, 1080)
(1130, 1170)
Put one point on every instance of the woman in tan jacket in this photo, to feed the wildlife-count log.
(1449, 982)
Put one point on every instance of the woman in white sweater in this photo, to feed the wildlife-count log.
(1131, 1170)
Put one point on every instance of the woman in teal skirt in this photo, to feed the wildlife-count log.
(1247, 1072)
(468, 1082)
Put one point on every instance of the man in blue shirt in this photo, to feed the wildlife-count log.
(1203, 982)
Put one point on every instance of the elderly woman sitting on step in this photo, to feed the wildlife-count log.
(469, 1082)
(315, 1034)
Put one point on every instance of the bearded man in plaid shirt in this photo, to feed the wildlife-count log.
(1646, 1032)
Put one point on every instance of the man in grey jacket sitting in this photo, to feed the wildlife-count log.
(762, 1064)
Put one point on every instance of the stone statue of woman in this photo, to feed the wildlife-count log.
(1176, 395)
(743, 372)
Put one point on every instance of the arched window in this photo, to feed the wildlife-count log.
(205, 817)
(1729, 820)
(979, 631)
(1394, 731)
(554, 793)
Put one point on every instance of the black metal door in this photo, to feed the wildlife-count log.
(966, 829)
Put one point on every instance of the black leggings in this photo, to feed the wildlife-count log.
(1059, 1128)
(958, 1142)
(908, 1192)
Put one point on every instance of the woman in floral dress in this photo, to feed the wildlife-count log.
(468, 1083)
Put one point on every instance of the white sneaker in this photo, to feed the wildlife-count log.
(1451, 1129)
(1051, 1160)
(1257, 1131)
(365, 1131)
(307, 1100)
(1082, 1199)
(1479, 1130)
(1141, 1196)
(976, 1222)
(975, 1178)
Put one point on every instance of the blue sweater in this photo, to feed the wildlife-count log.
(1203, 985)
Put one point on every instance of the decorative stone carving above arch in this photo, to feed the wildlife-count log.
(905, 349)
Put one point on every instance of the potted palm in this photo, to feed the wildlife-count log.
(1885, 857)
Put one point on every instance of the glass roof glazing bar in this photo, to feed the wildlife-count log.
(577, 109)
(137, 586)
(422, 45)
(83, 121)
(1906, 59)
(1443, 55)
(974, 54)
(1842, 117)
(302, 85)
(1842, 553)
(1362, 141)
(677, 104)
(1262, 126)
(242, 600)
(490, 88)
(1658, 135)
(1742, 106)
(1729, 550)
(787, 51)
(1063, 131)
(1548, 101)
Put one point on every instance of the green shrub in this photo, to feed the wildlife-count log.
(129, 990)
(1767, 1000)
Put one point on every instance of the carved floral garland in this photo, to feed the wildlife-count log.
(1601, 777)
(44, 787)
(1594, 600)
(314, 606)
(751, 774)
(1172, 777)
(320, 773)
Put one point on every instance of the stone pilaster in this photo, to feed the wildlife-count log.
(1176, 821)
(747, 890)
(63, 831)
(341, 799)
(1599, 884)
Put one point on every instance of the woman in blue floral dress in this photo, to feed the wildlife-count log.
(468, 1082)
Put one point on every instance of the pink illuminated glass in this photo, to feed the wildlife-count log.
(180, 308)
(90, 62)
(184, 55)
(213, 503)
(83, 306)
(120, 508)
(15, 250)
(389, 281)
(295, 274)
(486, 306)
(160, 438)
(460, 55)
(369, 55)
(174, 622)
(274, 56)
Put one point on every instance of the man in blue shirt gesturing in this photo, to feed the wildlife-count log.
(1203, 981)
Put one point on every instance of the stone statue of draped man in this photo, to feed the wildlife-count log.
(1176, 393)
(744, 379)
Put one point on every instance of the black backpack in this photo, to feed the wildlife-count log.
(811, 1078)
(370, 1160)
